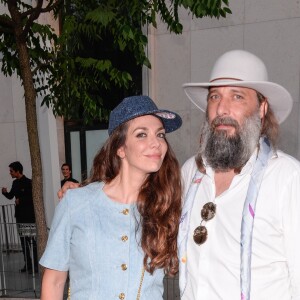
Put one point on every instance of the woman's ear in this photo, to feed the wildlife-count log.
(121, 152)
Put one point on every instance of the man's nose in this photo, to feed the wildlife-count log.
(223, 107)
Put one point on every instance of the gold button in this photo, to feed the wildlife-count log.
(124, 238)
(124, 267)
(122, 296)
(125, 211)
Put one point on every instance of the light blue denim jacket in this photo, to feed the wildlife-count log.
(95, 239)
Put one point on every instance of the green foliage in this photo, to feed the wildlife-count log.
(74, 80)
(38, 42)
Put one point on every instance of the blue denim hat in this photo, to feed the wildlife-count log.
(136, 106)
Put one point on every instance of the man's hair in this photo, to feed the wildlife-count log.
(16, 166)
(270, 125)
(66, 165)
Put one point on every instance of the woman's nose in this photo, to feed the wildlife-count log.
(155, 142)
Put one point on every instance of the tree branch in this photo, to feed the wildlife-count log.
(51, 6)
(39, 66)
(35, 13)
(48, 8)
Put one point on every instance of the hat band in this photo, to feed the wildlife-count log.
(226, 78)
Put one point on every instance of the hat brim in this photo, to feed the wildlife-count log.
(278, 97)
(171, 120)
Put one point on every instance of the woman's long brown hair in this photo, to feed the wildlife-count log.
(159, 202)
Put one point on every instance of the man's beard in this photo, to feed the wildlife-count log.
(225, 152)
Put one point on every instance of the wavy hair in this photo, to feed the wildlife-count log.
(270, 126)
(159, 202)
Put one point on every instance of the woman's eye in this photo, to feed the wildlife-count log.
(141, 134)
(161, 135)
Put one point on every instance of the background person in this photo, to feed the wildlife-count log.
(66, 171)
(240, 223)
(117, 235)
(24, 211)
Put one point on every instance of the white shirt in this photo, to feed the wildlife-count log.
(214, 267)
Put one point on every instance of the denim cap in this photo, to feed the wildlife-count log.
(136, 106)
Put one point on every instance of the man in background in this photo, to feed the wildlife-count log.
(21, 190)
(66, 171)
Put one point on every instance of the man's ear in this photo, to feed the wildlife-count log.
(263, 109)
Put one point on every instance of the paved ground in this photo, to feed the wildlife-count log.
(16, 284)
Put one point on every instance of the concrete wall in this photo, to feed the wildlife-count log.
(13, 132)
(268, 28)
(14, 142)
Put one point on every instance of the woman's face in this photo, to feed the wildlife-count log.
(145, 145)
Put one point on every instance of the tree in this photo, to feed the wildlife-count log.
(24, 46)
(81, 79)
(58, 68)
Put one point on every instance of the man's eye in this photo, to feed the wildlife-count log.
(213, 97)
(238, 97)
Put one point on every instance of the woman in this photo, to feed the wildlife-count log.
(116, 235)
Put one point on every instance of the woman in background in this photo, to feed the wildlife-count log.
(116, 235)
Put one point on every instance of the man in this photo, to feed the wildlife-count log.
(24, 211)
(66, 171)
(239, 231)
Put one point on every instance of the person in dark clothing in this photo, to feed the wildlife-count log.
(24, 211)
(66, 171)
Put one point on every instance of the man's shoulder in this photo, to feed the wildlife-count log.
(24, 178)
(62, 182)
(73, 180)
(190, 163)
(188, 171)
(284, 162)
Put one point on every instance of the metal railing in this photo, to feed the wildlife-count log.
(8, 234)
(14, 283)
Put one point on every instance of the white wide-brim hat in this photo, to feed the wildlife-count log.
(242, 68)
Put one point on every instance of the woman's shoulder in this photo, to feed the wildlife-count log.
(83, 195)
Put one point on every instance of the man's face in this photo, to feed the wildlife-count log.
(232, 128)
(235, 103)
(13, 174)
(66, 171)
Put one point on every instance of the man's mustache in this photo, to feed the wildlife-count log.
(224, 121)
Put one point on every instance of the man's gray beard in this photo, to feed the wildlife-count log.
(223, 152)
